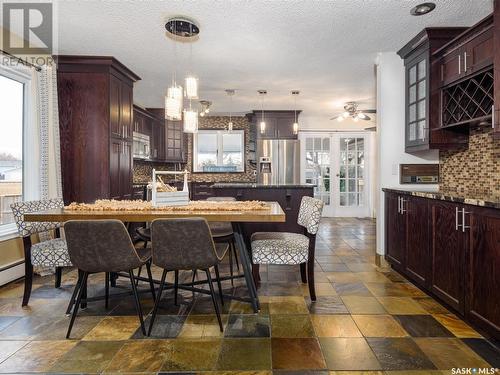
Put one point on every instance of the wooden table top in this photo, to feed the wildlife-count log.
(275, 214)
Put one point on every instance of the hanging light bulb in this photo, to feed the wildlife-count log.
(190, 121)
(295, 126)
(345, 114)
(173, 103)
(340, 119)
(262, 122)
(191, 87)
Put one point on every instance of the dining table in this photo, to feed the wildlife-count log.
(273, 213)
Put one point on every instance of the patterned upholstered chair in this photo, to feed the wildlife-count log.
(49, 253)
(291, 248)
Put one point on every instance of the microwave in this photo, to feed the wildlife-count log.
(141, 146)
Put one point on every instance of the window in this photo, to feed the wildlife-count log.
(12, 96)
(219, 151)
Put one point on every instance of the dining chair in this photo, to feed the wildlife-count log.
(186, 244)
(46, 253)
(291, 248)
(104, 246)
(222, 232)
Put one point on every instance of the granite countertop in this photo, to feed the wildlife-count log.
(244, 185)
(483, 201)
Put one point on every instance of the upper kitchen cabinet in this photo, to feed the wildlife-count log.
(168, 142)
(421, 91)
(95, 119)
(496, 65)
(466, 79)
(279, 124)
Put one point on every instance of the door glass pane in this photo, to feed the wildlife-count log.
(361, 171)
(317, 143)
(412, 133)
(413, 112)
(309, 144)
(351, 170)
(318, 166)
(421, 109)
(343, 199)
(353, 201)
(351, 158)
(421, 90)
(342, 185)
(361, 157)
(413, 94)
(421, 69)
(412, 75)
(351, 183)
(421, 130)
(326, 145)
(342, 173)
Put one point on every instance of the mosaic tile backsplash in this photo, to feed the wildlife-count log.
(475, 171)
(143, 170)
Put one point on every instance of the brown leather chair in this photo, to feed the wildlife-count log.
(185, 244)
(103, 246)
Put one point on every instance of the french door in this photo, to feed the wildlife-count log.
(337, 163)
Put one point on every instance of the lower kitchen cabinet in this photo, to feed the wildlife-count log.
(448, 250)
(483, 265)
(120, 169)
(451, 250)
(417, 259)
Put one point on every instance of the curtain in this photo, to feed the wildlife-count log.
(46, 145)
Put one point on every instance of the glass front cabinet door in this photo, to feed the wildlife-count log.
(417, 101)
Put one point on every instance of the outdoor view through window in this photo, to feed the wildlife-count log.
(11, 146)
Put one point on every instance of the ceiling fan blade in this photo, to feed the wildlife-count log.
(335, 117)
(371, 129)
(362, 116)
(368, 110)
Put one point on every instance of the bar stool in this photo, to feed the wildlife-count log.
(185, 244)
(222, 232)
(291, 248)
(103, 246)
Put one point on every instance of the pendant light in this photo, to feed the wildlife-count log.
(230, 93)
(295, 126)
(190, 124)
(173, 100)
(262, 124)
(191, 82)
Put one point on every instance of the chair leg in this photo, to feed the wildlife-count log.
(58, 277)
(77, 304)
(310, 279)
(255, 274)
(176, 286)
(150, 277)
(303, 272)
(195, 276)
(106, 290)
(157, 301)
(219, 285)
(75, 293)
(28, 281)
(145, 244)
(137, 302)
(212, 292)
(138, 275)
(233, 248)
(231, 265)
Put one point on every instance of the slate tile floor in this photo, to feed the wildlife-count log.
(367, 320)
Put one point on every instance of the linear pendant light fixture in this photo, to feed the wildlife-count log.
(173, 100)
(230, 93)
(262, 125)
(295, 126)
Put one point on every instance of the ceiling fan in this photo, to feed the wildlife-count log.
(351, 110)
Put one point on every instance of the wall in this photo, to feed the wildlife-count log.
(142, 170)
(475, 170)
(390, 134)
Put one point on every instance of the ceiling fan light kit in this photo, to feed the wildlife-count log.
(351, 110)
(422, 9)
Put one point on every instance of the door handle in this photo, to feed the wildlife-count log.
(464, 227)
(402, 206)
(399, 205)
(493, 116)
(456, 219)
(459, 64)
(465, 62)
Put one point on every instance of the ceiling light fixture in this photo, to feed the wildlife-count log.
(295, 126)
(422, 9)
(230, 93)
(262, 94)
(190, 121)
(173, 99)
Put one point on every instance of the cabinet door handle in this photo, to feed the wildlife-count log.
(493, 116)
(464, 227)
(456, 219)
(399, 205)
(403, 206)
(459, 64)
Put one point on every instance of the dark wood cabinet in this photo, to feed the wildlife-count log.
(95, 119)
(451, 250)
(421, 87)
(279, 124)
(418, 257)
(496, 67)
(448, 254)
(395, 231)
(174, 146)
(168, 138)
(482, 270)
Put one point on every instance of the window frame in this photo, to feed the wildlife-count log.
(220, 149)
(30, 182)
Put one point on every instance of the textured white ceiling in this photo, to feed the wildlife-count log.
(325, 49)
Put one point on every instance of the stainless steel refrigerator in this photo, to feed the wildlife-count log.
(278, 161)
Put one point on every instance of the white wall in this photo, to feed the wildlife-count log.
(390, 135)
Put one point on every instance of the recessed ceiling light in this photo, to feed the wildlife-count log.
(422, 9)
